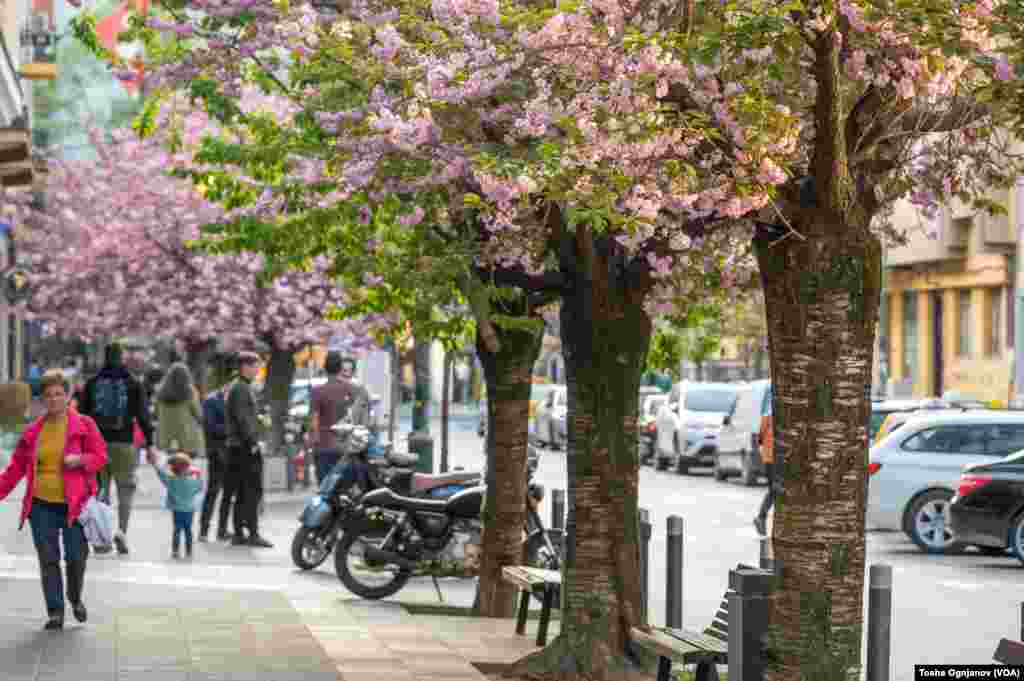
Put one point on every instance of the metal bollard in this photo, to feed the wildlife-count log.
(674, 574)
(644, 518)
(748, 623)
(879, 622)
(558, 509)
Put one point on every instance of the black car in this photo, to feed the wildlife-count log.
(988, 509)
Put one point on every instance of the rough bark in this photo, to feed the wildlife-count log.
(507, 374)
(280, 375)
(605, 339)
(821, 300)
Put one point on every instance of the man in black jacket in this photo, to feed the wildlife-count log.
(215, 427)
(116, 401)
(245, 463)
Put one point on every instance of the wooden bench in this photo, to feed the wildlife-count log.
(545, 585)
(1009, 652)
(705, 649)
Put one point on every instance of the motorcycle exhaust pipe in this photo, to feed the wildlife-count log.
(378, 556)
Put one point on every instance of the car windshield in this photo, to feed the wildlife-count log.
(717, 400)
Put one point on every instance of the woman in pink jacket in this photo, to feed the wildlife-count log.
(58, 455)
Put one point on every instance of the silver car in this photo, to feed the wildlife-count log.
(690, 422)
(914, 470)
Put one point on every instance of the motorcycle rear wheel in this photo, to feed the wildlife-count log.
(308, 551)
(342, 557)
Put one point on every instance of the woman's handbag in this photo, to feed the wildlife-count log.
(98, 522)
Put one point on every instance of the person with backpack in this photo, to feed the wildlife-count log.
(116, 401)
(215, 424)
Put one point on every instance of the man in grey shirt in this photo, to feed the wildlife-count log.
(245, 463)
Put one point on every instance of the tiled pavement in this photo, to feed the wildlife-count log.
(139, 632)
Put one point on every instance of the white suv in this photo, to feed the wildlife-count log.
(915, 469)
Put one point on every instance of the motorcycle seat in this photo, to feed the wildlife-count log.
(421, 482)
(385, 497)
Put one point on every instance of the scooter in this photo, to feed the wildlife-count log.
(367, 465)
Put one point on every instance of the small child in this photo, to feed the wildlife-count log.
(184, 483)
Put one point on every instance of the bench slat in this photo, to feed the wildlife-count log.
(718, 625)
(530, 578)
(663, 645)
(719, 635)
(698, 640)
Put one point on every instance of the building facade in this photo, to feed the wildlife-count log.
(947, 323)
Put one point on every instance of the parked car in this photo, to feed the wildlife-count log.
(550, 409)
(898, 418)
(988, 509)
(880, 411)
(913, 471)
(738, 444)
(690, 422)
(647, 426)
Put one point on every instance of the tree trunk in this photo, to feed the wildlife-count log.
(198, 355)
(606, 336)
(821, 300)
(280, 375)
(507, 374)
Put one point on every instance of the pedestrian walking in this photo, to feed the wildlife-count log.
(184, 484)
(767, 448)
(245, 462)
(329, 403)
(59, 455)
(218, 484)
(179, 414)
(115, 400)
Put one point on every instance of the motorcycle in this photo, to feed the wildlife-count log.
(322, 520)
(544, 547)
(394, 538)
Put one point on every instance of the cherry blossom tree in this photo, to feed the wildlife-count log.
(601, 151)
(111, 252)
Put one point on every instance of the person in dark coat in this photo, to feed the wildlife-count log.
(245, 463)
(215, 424)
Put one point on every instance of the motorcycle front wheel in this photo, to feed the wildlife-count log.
(310, 548)
(369, 580)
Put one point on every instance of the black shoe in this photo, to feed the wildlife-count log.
(260, 542)
(81, 614)
(203, 538)
(102, 548)
(54, 623)
(759, 526)
(223, 536)
(121, 544)
(239, 540)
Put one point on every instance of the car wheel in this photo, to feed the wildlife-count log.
(1017, 537)
(720, 475)
(748, 474)
(930, 526)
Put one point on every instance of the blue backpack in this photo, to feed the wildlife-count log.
(110, 403)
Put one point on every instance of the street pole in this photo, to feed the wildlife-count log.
(396, 389)
(445, 409)
(420, 441)
(1018, 331)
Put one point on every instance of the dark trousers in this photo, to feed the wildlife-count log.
(326, 460)
(217, 481)
(49, 524)
(246, 466)
(769, 496)
(182, 528)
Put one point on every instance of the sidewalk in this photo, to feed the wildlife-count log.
(143, 632)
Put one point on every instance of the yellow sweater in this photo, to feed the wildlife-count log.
(50, 470)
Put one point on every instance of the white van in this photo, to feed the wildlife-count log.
(738, 449)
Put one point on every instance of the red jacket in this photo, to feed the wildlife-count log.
(83, 438)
